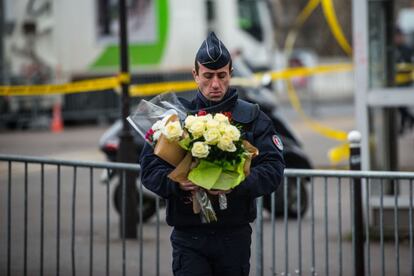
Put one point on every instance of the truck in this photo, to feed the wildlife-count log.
(61, 41)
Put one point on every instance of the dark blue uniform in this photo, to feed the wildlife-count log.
(222, 247)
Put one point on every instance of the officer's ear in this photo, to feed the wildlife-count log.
(231, 72)
(195, 75)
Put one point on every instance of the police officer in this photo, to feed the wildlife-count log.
(221, 247)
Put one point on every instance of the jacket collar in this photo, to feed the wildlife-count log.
(201, 103)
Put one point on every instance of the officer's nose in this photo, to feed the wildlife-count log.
(215, 83)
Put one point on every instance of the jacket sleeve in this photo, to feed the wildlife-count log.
(266, 173)
(154, 173)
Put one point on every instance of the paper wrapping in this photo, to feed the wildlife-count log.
(169, 151)
(252, 153)
(182, 170)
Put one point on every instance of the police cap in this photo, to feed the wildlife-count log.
(212, 53)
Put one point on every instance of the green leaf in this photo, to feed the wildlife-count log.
(230, 178)
(185, 143)
(224, 176)
(205, 174)
(226, 181)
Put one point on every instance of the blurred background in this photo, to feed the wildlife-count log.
(317, 68)
(49, 42)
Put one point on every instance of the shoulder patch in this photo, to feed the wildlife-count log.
(278, 143)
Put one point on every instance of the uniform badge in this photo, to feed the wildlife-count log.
(278, 143)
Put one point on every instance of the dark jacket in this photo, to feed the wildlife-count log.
(265, 176)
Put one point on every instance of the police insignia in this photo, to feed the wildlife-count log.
(278, 143)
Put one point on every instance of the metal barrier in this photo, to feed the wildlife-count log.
(56, 219)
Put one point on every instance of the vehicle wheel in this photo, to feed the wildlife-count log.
(292, 195)
(148, 204)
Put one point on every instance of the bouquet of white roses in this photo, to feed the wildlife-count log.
(220, 154)
(206, 149)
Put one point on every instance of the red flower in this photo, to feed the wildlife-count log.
(228, 115)
(148, 135)
(202, 112)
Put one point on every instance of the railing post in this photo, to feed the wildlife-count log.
(354, 138)
(259, 237)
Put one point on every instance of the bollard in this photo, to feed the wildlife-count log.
(354, 138)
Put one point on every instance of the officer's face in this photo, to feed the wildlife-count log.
(213, 84)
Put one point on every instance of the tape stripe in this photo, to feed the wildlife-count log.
(314, 125)
(308, 71)
(332, 20)
(157, 88)
(299, 21)
(67, 88)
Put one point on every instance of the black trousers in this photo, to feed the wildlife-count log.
(211, 252)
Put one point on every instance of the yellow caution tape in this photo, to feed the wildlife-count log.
(339, 153)
(306, 12)
(299, 21)
(331, 19)
(67, 88)
(124, 78)
(403, 78)
(180, 86)
(323, 130)
(308, 71)
(330, 15)
(404, 74)
(254, 81)
(157, 88)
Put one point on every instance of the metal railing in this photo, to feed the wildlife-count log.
(325, 238)
(57, 219)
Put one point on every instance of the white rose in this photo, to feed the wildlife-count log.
(200, 150)
(226, 144)
(222, 127)
(221, 118)
(165, 119)
(212, 136)
(158, 125)
(207, 117)
(189, 121)
(156, 135)
(233, 132)
(197, 128)
(173, 130)
(212, 124)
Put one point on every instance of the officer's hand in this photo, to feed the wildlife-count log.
(218, 192)
(187, 185)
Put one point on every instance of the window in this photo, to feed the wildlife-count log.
(249, 18)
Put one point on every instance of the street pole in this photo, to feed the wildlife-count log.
(126, 153)
(2, 62)
(354, 138)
